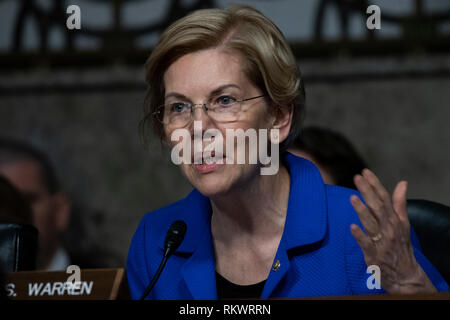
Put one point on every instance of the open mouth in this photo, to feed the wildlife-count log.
(206, 162)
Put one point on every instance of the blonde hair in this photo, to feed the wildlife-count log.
(267, 59)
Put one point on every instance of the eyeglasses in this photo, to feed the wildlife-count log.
(223, 109)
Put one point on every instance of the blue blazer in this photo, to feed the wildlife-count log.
(318, 255)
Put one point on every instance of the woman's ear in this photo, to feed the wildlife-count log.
(282, 121)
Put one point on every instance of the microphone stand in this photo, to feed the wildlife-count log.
(167, 253)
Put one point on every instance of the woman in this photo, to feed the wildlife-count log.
(251, 235)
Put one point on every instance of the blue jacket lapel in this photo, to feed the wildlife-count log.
(199, 269)
(306, 219)
(276, 273)
(199, 272)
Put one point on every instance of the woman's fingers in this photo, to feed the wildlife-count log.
(399, 201)
(378, 187)
(362, 240)
(367, 219)
(373, 201)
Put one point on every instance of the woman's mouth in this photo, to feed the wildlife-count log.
(206, 168)
(208, 163)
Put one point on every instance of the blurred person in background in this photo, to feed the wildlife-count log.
(29, 170)
(66, 235)
(332, 153)
(13, 206)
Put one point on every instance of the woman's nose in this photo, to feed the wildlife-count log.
(199, 111)
(200, 114)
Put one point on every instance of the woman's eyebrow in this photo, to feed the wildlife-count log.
(175, 95)
(223, 87)
(213, 93)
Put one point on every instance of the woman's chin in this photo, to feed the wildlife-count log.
(209, 183)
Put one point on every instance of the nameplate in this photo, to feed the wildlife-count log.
(93, 284)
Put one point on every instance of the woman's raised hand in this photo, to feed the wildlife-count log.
(387, 241)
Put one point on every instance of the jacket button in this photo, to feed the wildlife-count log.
(276, 265)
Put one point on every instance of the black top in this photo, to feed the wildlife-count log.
(229, 290)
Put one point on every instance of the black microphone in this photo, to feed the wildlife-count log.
(174, 237)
